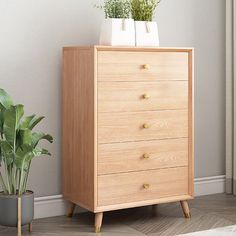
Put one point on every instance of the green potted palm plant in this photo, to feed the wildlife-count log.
(146, 30)
(117, 28)
(18, 146)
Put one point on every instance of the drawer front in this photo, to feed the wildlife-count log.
(142, 96)
(142, 66)
(143, 155)
(137, 126)
(143, 185)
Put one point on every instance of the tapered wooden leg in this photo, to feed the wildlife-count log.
(71, 208)
(185, 208)
(31, 227)
(19, 216)
(98, 222)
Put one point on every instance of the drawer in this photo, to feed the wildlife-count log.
(141, 186)
(143, 155)
(142, 96)
(137, 126)
(142, 66)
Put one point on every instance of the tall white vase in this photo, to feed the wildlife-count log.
(117, 32)
(146, 33)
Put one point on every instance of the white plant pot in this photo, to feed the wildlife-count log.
(146, 33)
(117, 32)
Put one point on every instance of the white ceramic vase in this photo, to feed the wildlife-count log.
(117, 32)
(146, 33)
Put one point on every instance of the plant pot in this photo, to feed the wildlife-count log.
(117, 32)
(9, 209)
(146, 33)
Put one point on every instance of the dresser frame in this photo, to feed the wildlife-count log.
(79, 131)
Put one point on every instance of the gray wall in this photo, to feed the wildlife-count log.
(32, 34)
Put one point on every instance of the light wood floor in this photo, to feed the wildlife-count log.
(166, 220)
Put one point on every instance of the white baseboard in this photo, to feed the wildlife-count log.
(209, 185)
(49, 206)
(56, 206)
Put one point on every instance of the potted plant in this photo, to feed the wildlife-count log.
(146, 30)
(117, 29)
(18, 146)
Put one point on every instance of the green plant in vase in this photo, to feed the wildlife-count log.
(143, 10)
(116, 8)
(117, 28)
(146, 29)
(19, 144)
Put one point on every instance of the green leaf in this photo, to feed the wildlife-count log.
(25, 123)
(41, 151)
(24, 154)
(35, 121)
(5, 99)
(25, 137)
(7, 152)
(36, 137)
(2, 110)
(12, 117)
(5, 147)
(29, 122)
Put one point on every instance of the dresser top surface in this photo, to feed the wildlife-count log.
(124, 48)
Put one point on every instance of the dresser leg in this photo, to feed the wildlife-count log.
(71, 208)
(98, 222)
(185, 208)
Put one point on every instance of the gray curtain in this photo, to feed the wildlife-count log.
(231, 96)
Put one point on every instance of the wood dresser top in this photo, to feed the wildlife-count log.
(124, 48)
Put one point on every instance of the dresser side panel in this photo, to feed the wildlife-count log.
(191, 121)
(78, 126)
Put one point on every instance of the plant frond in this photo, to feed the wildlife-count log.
(18, 145)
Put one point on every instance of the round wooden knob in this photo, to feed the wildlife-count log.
(145, 126)
(146, 96)
(145, 156)
(146, 66)
(146, 186)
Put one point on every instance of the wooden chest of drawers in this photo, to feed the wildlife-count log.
(127, 127)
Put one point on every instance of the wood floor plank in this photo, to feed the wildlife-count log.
(223, 205)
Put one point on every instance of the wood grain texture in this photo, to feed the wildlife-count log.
(185, 208)
(128, 66)
(98, 222)
(142, 203)
(19, 215)
(191, 120)
(95, 138)
(128, 126)
(130, 187)
(104, 115)
(70, 209)
(131, 49)
(130, 96)
(78, 127)
(143, 155)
